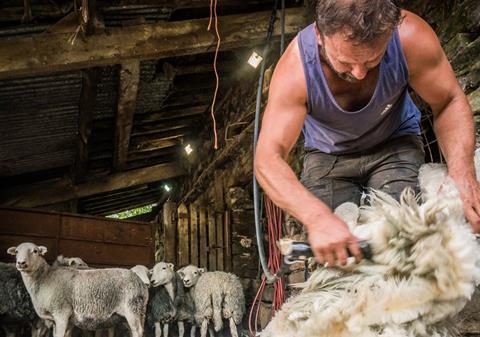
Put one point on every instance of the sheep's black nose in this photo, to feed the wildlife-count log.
(21, 264)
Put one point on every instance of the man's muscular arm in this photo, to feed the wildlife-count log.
(432, 77)
(282, 122)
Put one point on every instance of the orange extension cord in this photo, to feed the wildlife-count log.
(274, 232)
(213, 12)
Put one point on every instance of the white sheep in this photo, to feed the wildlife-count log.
(85, 298)
(163, 274)
(425, 266)
(217, 296)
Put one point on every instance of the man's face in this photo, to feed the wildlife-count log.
(349, 61)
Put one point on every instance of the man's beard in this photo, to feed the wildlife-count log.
(344, 76)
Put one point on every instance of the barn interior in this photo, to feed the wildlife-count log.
(127, 129)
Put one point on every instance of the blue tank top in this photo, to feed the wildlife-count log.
(389, 114)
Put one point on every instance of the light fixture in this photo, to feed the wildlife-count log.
(255, 59)
(188, 149)
(167, 187)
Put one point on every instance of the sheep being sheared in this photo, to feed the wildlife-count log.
(425, 266)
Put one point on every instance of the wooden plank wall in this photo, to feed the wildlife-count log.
(169, 233)
(203, 246)
(203, 238)
(98, 241)
(183, 236)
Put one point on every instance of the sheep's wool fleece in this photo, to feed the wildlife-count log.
(425, 267)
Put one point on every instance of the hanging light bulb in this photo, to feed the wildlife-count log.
(255, 59)
(188, 149)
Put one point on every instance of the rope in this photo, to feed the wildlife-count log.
(213, 12)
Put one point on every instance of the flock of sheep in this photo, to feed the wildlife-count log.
(69, 294)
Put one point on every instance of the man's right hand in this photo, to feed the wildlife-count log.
(330, 238)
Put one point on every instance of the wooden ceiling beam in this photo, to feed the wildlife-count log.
(171, 114)
(121, 200)
(193, 69)
(151, 129)
(175, 102)
(60, 191)
(53, 52)
(156, 144)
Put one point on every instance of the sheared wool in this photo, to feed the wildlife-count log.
(425, 266)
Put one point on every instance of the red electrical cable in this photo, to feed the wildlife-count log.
(274, 233)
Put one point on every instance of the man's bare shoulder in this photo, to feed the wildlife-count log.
(419, 42)
(289, 76)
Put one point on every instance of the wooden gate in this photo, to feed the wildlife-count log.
(197, 235)
(98, 241)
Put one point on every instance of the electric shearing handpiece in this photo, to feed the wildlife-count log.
(297, 251)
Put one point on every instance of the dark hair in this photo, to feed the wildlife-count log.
(362, 21)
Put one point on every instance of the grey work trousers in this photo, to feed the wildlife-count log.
(389, 167)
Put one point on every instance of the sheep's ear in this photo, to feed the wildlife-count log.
(182, 275)
(150, 271)
(59, 258)
(170, 265)
(42, 250)
(11, 250)
(72, 263)
(202, 270)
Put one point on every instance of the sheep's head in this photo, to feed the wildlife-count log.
(190, 275)
(162, 273)
(143, 273)
(28, 256)
(74, 262)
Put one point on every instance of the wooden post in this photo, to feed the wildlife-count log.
(194, 258)
(127, 102)
(218, 191)
(88, 96)
(212, 240)
(220, 244)
(203, 237)
(169, 230)
(227, 241)
(183, 242)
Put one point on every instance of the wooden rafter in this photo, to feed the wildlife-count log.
(169, 114)
(53, 52)
(60, 191)
(156, 144)
(127, 98)
(174, 102)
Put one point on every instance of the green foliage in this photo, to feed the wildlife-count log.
(132, 212)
